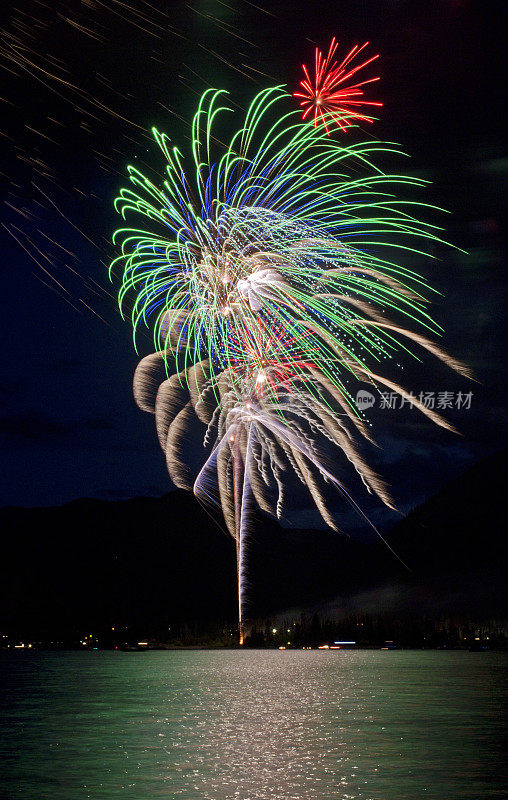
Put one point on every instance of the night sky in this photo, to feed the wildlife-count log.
(83, 84)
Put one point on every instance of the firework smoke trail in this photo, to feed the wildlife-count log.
(263, 279)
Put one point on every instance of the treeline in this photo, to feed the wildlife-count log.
(364, 630)
(375, 630)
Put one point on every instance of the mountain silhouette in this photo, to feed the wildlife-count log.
(156, 561)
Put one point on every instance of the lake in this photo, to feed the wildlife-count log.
(249, 725)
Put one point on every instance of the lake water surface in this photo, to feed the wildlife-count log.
(267, 725)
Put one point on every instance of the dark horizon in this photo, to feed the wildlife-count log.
(142, 564)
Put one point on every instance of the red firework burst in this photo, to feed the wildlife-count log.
(330, 95)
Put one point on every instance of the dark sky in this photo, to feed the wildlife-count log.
(84, 83)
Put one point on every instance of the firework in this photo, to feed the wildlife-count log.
(261, 273)
(331, 95)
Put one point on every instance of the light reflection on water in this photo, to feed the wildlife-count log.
(253, 725)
